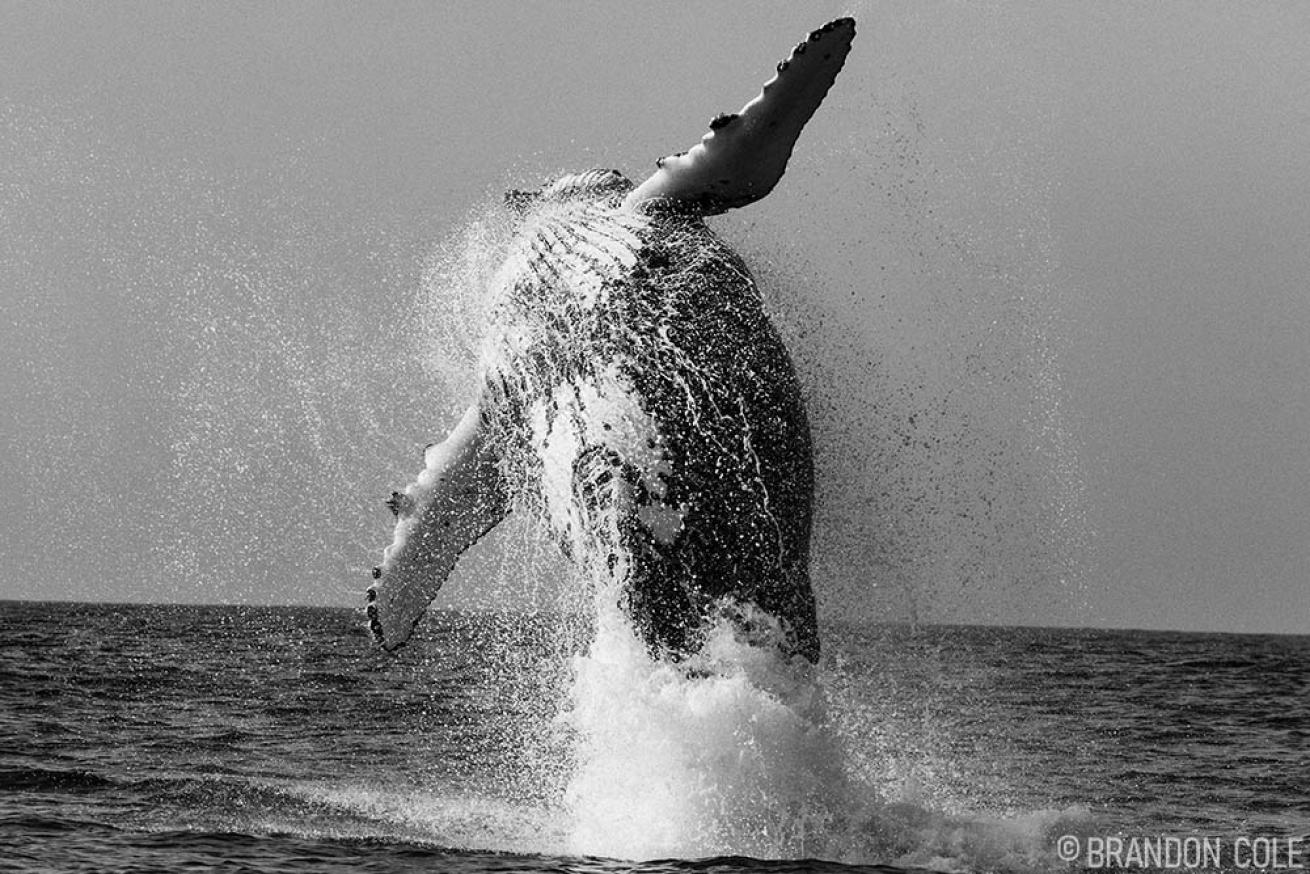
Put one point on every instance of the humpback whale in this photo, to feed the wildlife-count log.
(635, 396)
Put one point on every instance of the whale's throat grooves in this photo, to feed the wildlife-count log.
(643, 403)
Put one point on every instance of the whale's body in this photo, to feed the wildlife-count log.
(663, 418)
(636, 395)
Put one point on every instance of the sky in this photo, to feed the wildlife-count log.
(1043, 268)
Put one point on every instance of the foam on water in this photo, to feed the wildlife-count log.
(726, 753)
(736, 753)
(447, 818)
(732, 753)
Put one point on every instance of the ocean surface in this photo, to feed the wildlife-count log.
(172, 738)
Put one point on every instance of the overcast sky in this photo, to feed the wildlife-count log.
(1046, 268)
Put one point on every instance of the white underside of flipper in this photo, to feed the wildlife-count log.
(458, 497)
(744, 155)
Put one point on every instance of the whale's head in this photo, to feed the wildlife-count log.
(589, 186)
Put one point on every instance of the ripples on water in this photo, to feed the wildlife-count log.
(276, 739)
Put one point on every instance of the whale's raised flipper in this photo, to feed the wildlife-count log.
(458, 497)
(744, 155)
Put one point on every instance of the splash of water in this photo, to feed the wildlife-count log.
(725, 753)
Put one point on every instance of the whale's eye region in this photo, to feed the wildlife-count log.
(588, 186)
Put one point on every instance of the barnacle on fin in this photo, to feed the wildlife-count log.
(659, 162)
(723, 119)
(400, 503)
(375, 625)
(783, 65)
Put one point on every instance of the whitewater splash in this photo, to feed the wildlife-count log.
(737, 753)
(725, 753)
(740, 755)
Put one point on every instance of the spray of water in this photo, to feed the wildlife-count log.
(725, 753)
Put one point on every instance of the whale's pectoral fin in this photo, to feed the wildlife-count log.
(744, 155)
(458, 497)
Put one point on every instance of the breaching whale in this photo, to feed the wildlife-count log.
(636, 396)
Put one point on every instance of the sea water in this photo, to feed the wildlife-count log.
(153, 737)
